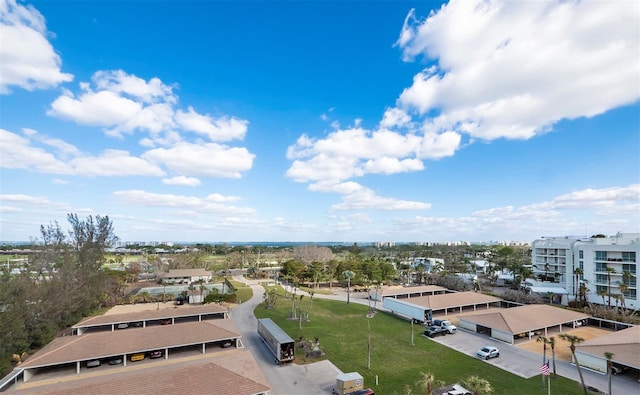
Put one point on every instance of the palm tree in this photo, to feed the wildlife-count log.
(544, 341)
(610, 271)
(609, 355)
(573, 340)
(623, 288)
(478, 386)
(602, 293)
(348, 274)
(428, 381)
(552, 343)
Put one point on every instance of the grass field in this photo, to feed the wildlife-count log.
(342, 331)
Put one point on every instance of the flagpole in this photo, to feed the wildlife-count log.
(549, 382)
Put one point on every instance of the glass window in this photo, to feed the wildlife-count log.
(629, 256)
(581, 254)
(601, 255)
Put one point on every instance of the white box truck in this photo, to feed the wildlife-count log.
(279, 343)
(407, 309)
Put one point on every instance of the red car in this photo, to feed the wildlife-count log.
(366, 391)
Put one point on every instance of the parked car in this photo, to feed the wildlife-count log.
(137, 357)
(155, 354)
(434, 331)
(115, 361)
(618, 369)
(122, 326)
(225, 343)
(165, 322)
(488, 352)
(93, 364)
(366, 391)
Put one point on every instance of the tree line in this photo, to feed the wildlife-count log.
(62, 283)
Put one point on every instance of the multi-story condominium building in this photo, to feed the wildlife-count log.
(607, 266)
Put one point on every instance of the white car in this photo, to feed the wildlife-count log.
(488, 352)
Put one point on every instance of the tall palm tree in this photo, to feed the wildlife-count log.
(478, 386)
(544, 341)
(428, 381)
(552, 344)
(609, 355)
(610, 271)
(573, 340)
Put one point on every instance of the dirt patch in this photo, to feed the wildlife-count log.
(563, 353)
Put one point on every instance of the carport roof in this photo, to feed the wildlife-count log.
(236, 373)
(452, 300)
(127, 341)
(410, 290)
(526, 318)
(183, 311)
(624, 345)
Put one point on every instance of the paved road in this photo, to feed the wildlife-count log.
(319, 378)
(314, 379)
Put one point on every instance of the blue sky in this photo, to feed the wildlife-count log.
(321, 121)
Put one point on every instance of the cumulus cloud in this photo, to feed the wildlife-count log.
(182, 181)
(124, 103)
(212, 160)
(358, 197)
(212, 204)
(220, 129)
(32, 151)
(494, 78)
(567, 214)
(28, 58)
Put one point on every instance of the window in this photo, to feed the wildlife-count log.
(629, 268)
(629, 256)
(630, 294)
(601, 255)
(601, 267)
(601, 278)
(581, 254)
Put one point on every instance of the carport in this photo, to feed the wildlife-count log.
(72, 352)
(409, 292)
(151, 317)
(456, 302)
(522, 321)
(624, 345)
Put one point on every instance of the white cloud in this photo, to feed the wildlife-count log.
(394, 117)
(210, 204)
(29, 152)
(591, 198)
(345, 154)
(114, 163)
(498, 79)
(28, 59)
(182, 180)
(358, 197)
(219, 129)
(212, 160)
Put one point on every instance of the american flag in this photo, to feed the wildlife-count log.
(545, 369)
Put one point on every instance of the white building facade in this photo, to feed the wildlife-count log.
(609, 265)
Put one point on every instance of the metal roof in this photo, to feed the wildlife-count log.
(624, 345)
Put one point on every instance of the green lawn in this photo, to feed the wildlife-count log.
(244, 292)
(342, 330)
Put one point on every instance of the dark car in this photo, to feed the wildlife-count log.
(366, 391)
(155, 354)
(115, 361)
(434, 331)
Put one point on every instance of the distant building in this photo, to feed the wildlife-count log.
(186, 276)
(427, 263)
(609, 265)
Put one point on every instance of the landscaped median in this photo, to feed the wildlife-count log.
(342, 331)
